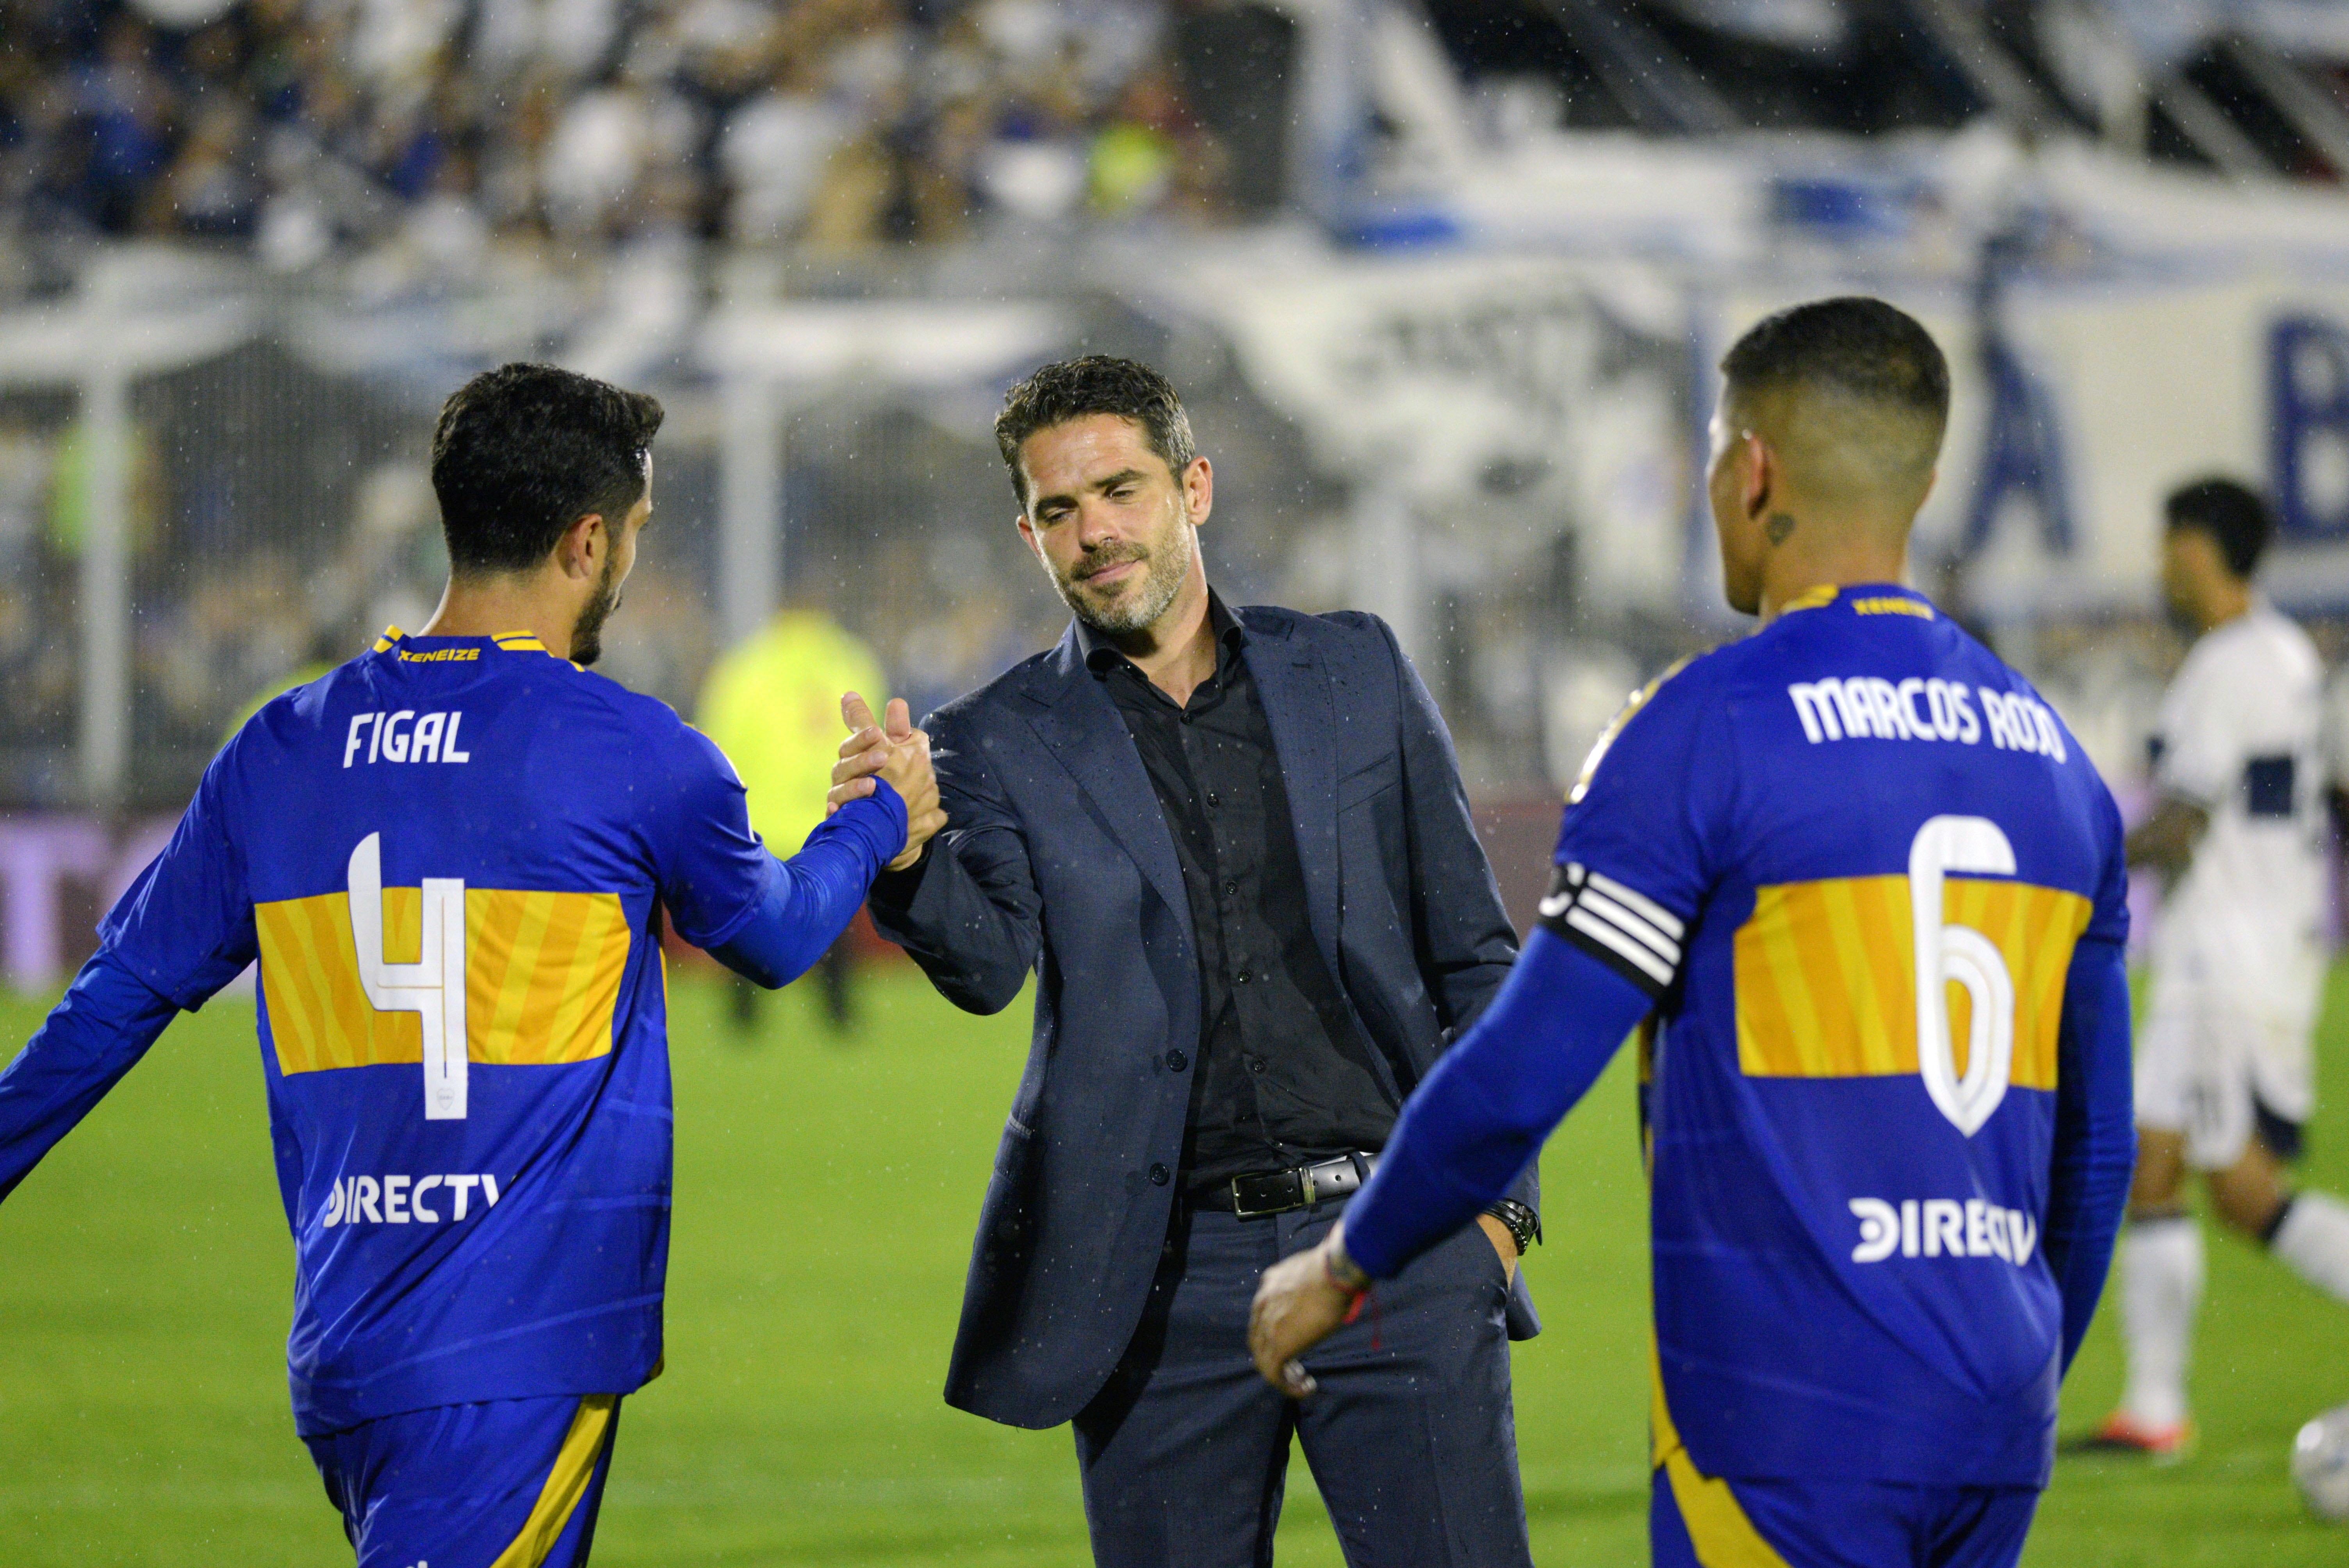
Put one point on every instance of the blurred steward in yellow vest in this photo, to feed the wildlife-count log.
(772, 705)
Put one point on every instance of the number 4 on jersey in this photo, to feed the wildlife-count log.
(433, 987)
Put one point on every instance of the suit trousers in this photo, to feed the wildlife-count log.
(1410, 1436)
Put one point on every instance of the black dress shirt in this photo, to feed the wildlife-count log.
(1283, 1077)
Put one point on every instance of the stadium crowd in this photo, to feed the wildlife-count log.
(305, 127)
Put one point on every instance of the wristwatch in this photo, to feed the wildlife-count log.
(1525, 1226)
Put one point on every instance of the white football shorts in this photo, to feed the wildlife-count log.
(2217, 1074)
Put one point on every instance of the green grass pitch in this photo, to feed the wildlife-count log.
(825, 1194)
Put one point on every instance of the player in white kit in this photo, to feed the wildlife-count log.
(2224, 1079)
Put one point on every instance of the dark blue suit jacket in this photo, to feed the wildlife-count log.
(1056, 860)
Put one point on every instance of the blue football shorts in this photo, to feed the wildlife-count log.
(511, 1483)
(1694, 1519)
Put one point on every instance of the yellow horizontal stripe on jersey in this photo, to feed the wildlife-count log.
(318, 1015)
(542, 975)
(1826, 974)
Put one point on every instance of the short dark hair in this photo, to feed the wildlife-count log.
(1094, 383)
(1854, 344)
(2231, 513)
(524, 451)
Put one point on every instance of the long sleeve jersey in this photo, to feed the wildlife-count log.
(452, 857)
(1870, 897)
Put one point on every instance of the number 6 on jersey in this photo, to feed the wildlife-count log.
(1960, 954)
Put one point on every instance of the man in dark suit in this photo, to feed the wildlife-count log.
(1233, 848)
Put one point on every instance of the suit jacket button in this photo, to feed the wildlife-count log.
(1160, 1175)
(1177, 1061)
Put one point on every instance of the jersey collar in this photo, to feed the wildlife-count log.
(1863, 599)
(510, 642)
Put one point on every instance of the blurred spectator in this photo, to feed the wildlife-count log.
(774, 152)
(211, 189)
(127, 109)
(1152, 153)
(431, 129)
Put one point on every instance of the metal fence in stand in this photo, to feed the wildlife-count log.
(218, 487)
(213, 481)
(211, 486)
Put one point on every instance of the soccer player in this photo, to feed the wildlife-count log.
(2223, 1077)
(1868, 897)
(454, 858)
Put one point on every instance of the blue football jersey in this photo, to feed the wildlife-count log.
(1850, 856)
(452, 856)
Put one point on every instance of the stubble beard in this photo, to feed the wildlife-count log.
(1164, 573)
(587, 637)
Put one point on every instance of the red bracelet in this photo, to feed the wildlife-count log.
(1330, 1269)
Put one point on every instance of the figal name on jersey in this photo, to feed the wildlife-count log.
(432, 739)
(400, 1200)
(1857, 707)
(1942, 1227)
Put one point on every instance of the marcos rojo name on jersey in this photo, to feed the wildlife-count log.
(406, 1200)
(1857, 707)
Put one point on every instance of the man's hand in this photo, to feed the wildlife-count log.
(862, 755)
(898, 753)
(1301, 1303)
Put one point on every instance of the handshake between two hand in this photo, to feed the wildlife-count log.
(895, 751)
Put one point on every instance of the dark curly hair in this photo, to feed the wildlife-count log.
(1094, 383)
(524, 451)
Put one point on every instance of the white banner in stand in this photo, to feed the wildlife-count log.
(2093, 399)
(1510, 400)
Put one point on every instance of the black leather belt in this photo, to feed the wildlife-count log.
(1263, 1192)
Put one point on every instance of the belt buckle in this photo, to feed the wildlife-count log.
(1298, 1182)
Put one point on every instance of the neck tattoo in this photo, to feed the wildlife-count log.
(1778, 527)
